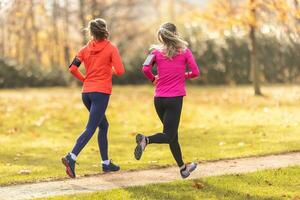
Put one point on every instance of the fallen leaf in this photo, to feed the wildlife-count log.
(152, 161)
(133, 134)
(40, 121)
(198, 185)
(24, 171)
(266, 109)
(269, 183)
(221, 143)
(94, 149)
(240, 144)
(12, 130)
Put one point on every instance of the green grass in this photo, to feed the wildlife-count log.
(274, 184)
(38, 126)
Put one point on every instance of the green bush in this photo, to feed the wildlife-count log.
(30, 75)
(221, 62)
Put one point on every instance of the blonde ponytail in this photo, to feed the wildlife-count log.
(172, 43)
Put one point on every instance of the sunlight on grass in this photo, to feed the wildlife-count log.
(276, 184)
(38, 126)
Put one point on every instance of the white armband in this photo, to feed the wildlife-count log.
(149, 60)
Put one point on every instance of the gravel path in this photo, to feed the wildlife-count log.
(143, 177)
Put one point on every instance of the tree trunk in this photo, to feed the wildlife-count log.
(296, 4)
(82, 20)
(66, 30)
(94, 9)
(255, 71)
(172, 10)
(55, 49)
(157, 6)
(34, 31)
(2, 45)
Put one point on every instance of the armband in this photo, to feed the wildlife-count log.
(75, 62)
(149, 60)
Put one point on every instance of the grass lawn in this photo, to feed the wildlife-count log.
(39, 126)
(274, 184)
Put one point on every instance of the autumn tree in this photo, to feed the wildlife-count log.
(247, 17)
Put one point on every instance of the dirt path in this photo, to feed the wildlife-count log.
(143, 177)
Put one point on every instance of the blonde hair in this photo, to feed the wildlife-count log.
(172, 43)
(98, 29)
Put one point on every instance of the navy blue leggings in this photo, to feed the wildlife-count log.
(96, 103)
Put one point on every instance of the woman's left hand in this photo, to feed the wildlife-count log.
(155, 80)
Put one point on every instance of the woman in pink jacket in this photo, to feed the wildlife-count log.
(171, 57)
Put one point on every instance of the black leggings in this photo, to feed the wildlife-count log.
(169, 111)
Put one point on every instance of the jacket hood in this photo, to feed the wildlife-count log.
(97, 46)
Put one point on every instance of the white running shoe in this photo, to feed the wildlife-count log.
(185, 172)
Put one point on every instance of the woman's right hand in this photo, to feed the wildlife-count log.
(155, 80)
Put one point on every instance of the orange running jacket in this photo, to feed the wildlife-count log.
(101, 60)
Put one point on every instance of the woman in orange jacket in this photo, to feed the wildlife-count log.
(101, 60)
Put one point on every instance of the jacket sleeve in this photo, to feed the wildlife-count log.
(192, 65)
(76, 73)
(73, 68)
(116, 61)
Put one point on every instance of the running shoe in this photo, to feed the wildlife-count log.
(140, 147)
(70, 165)
(111, 167)
(185, 172)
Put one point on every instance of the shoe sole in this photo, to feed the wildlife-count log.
(138, 151)
(185, 176)
(106, 171)
(68, 168)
